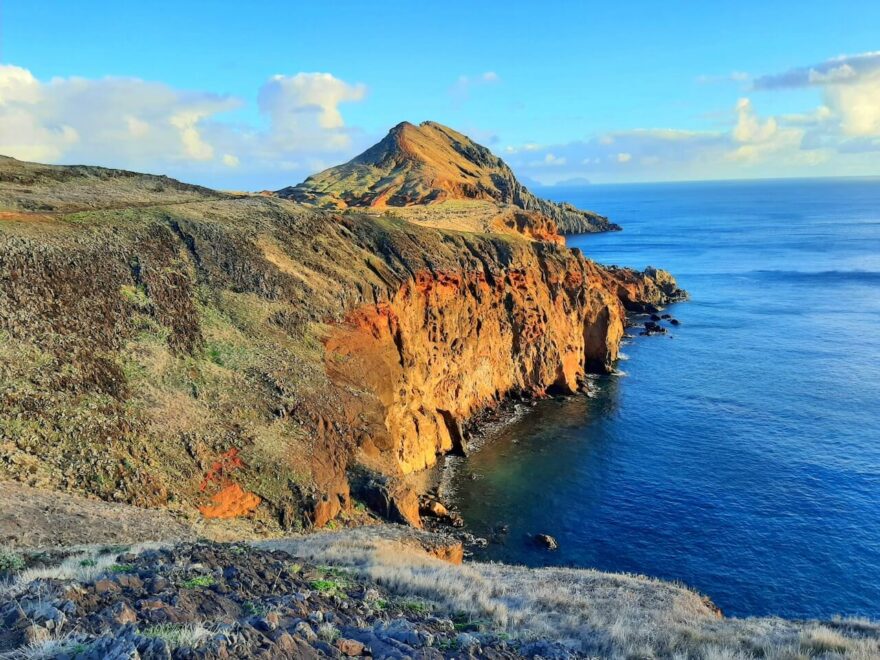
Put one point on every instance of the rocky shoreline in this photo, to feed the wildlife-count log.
(436, 507)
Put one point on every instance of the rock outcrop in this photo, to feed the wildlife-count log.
(430, 164)
(647, 291)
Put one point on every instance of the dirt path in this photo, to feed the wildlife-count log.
(32, 518)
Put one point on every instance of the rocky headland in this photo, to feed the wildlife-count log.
(431, 164)
(256, 357)
(180, 364)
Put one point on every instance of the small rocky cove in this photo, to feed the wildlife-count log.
(438, 497)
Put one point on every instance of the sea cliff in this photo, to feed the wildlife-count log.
(171, 346)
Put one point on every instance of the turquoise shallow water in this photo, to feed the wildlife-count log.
(741, 455)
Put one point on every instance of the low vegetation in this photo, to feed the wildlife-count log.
(179, 636)
(600, 614)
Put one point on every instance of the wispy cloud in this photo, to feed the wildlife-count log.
(461, 90)
(733, 76)
(846, 69)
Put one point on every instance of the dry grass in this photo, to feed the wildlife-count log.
(58, 645)
(84, 564)
(594, 613)
(180, 636)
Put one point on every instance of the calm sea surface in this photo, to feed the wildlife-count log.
(741, 455)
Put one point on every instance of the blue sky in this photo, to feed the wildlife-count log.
(229, 94)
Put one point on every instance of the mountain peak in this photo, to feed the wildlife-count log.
(427, 164)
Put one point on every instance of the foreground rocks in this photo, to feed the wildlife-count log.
(383, 596)
(221, 601)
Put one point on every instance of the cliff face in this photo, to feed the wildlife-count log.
(449, 343)
(239, 356)
(431, 164)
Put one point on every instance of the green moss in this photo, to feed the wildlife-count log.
(135, 295)
(252, 608)
(122, 568)
(325, 586)
(415, 606)
(200, 581)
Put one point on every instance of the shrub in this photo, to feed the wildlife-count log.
(10, 561)
(115, 568)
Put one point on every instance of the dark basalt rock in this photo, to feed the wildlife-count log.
(273, 605)
(653, 328)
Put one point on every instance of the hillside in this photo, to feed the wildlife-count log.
(432, 164)
(175, 347)
(32, 187)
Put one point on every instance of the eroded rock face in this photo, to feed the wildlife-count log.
(646, 291)
(449, 344)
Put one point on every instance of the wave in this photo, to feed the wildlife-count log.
(622, 356)
(822, 275)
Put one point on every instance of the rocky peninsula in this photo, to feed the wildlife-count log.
(180, 364)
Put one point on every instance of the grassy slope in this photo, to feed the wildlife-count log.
(142, 343)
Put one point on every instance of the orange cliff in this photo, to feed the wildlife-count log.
(251, 354)
(449, 344)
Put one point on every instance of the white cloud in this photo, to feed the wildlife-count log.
(749, 128)
(857, 105)
(752, 145)
(851, 88)
(295, 103)
(137, 124)
(839, 135)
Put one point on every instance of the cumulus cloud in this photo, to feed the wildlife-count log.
(840, 134)
(304, 109)
(850, 85)
(751, 145)
(123, 120)
(137, 124)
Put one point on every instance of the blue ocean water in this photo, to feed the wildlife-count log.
(740, 455)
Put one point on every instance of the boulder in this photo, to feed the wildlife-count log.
(434, 508)
(547, 541)
(350, 647)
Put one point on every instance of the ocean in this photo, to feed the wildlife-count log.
(741, 453)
